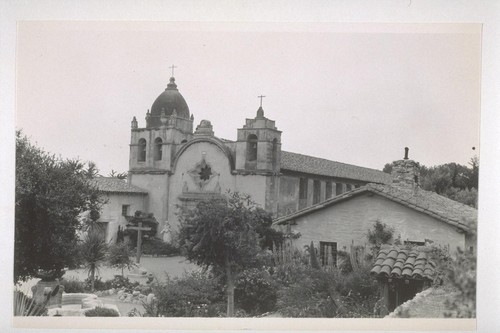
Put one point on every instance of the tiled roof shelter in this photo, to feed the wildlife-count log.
(324, 167)
(115, 185)
(399, 263)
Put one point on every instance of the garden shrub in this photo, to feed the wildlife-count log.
(195, 294)
(155, 246)
(461, 276)
(256, 291)
(73, 285)
(119, 282)
(320, 293)
(101, 312)
(358, 293)
(290, 271)
(145, 290)
(309, 293)
(99, 284)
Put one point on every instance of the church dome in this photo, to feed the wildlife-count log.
(169, 100)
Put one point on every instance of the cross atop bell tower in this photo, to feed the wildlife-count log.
(261, 97)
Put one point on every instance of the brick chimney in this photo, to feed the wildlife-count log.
(406, 172)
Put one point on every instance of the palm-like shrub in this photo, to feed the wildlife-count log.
(119, 256)
(93, 250)
(26, 306)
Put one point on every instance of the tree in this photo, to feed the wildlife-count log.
(116, 174)
(452, 180)
(93, 251)
(380, 234)
(119, 256)
(51, 193)
(222, 234)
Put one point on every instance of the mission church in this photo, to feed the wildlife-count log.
(331, 204)
(172, 163)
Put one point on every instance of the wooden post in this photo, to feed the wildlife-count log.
(139, 229)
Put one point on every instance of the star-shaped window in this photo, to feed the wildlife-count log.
(205, 173)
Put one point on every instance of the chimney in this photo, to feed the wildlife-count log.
(406, 172)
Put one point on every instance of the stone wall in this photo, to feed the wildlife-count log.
(405, 173)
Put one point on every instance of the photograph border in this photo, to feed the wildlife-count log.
(261, 11)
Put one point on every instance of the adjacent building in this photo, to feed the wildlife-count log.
(417, 216)
(120, 199)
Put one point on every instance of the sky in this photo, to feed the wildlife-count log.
(351, 93)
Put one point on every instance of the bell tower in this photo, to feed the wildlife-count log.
(169, 125)
(258, 145)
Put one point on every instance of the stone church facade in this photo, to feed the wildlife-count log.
(176, 163)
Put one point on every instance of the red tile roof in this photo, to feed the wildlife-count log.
(319, 166)
(115, 185)
(399, 263)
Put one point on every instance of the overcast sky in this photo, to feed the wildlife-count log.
(351, 93)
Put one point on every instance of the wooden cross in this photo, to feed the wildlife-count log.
(139, 229)
(172, 67)
(261, 97)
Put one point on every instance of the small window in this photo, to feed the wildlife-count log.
(328, 190)
(357, 186)
(141, 156)
(328, 253)
(184, 141)
(158, 149)
(348, 187)
(316, 191)
(125, 209)
(252, 148)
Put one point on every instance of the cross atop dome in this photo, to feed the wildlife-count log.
(172, 68)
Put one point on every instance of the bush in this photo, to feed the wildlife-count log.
(358, 292)
(255, 291)
(119, 256)
(155, 246)
(145, 290)
(73, 286)
(380, 234)
(102, 312)
(99, 284)
(307, 292)
(119, 282)
(195, 294)
(461, 276)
